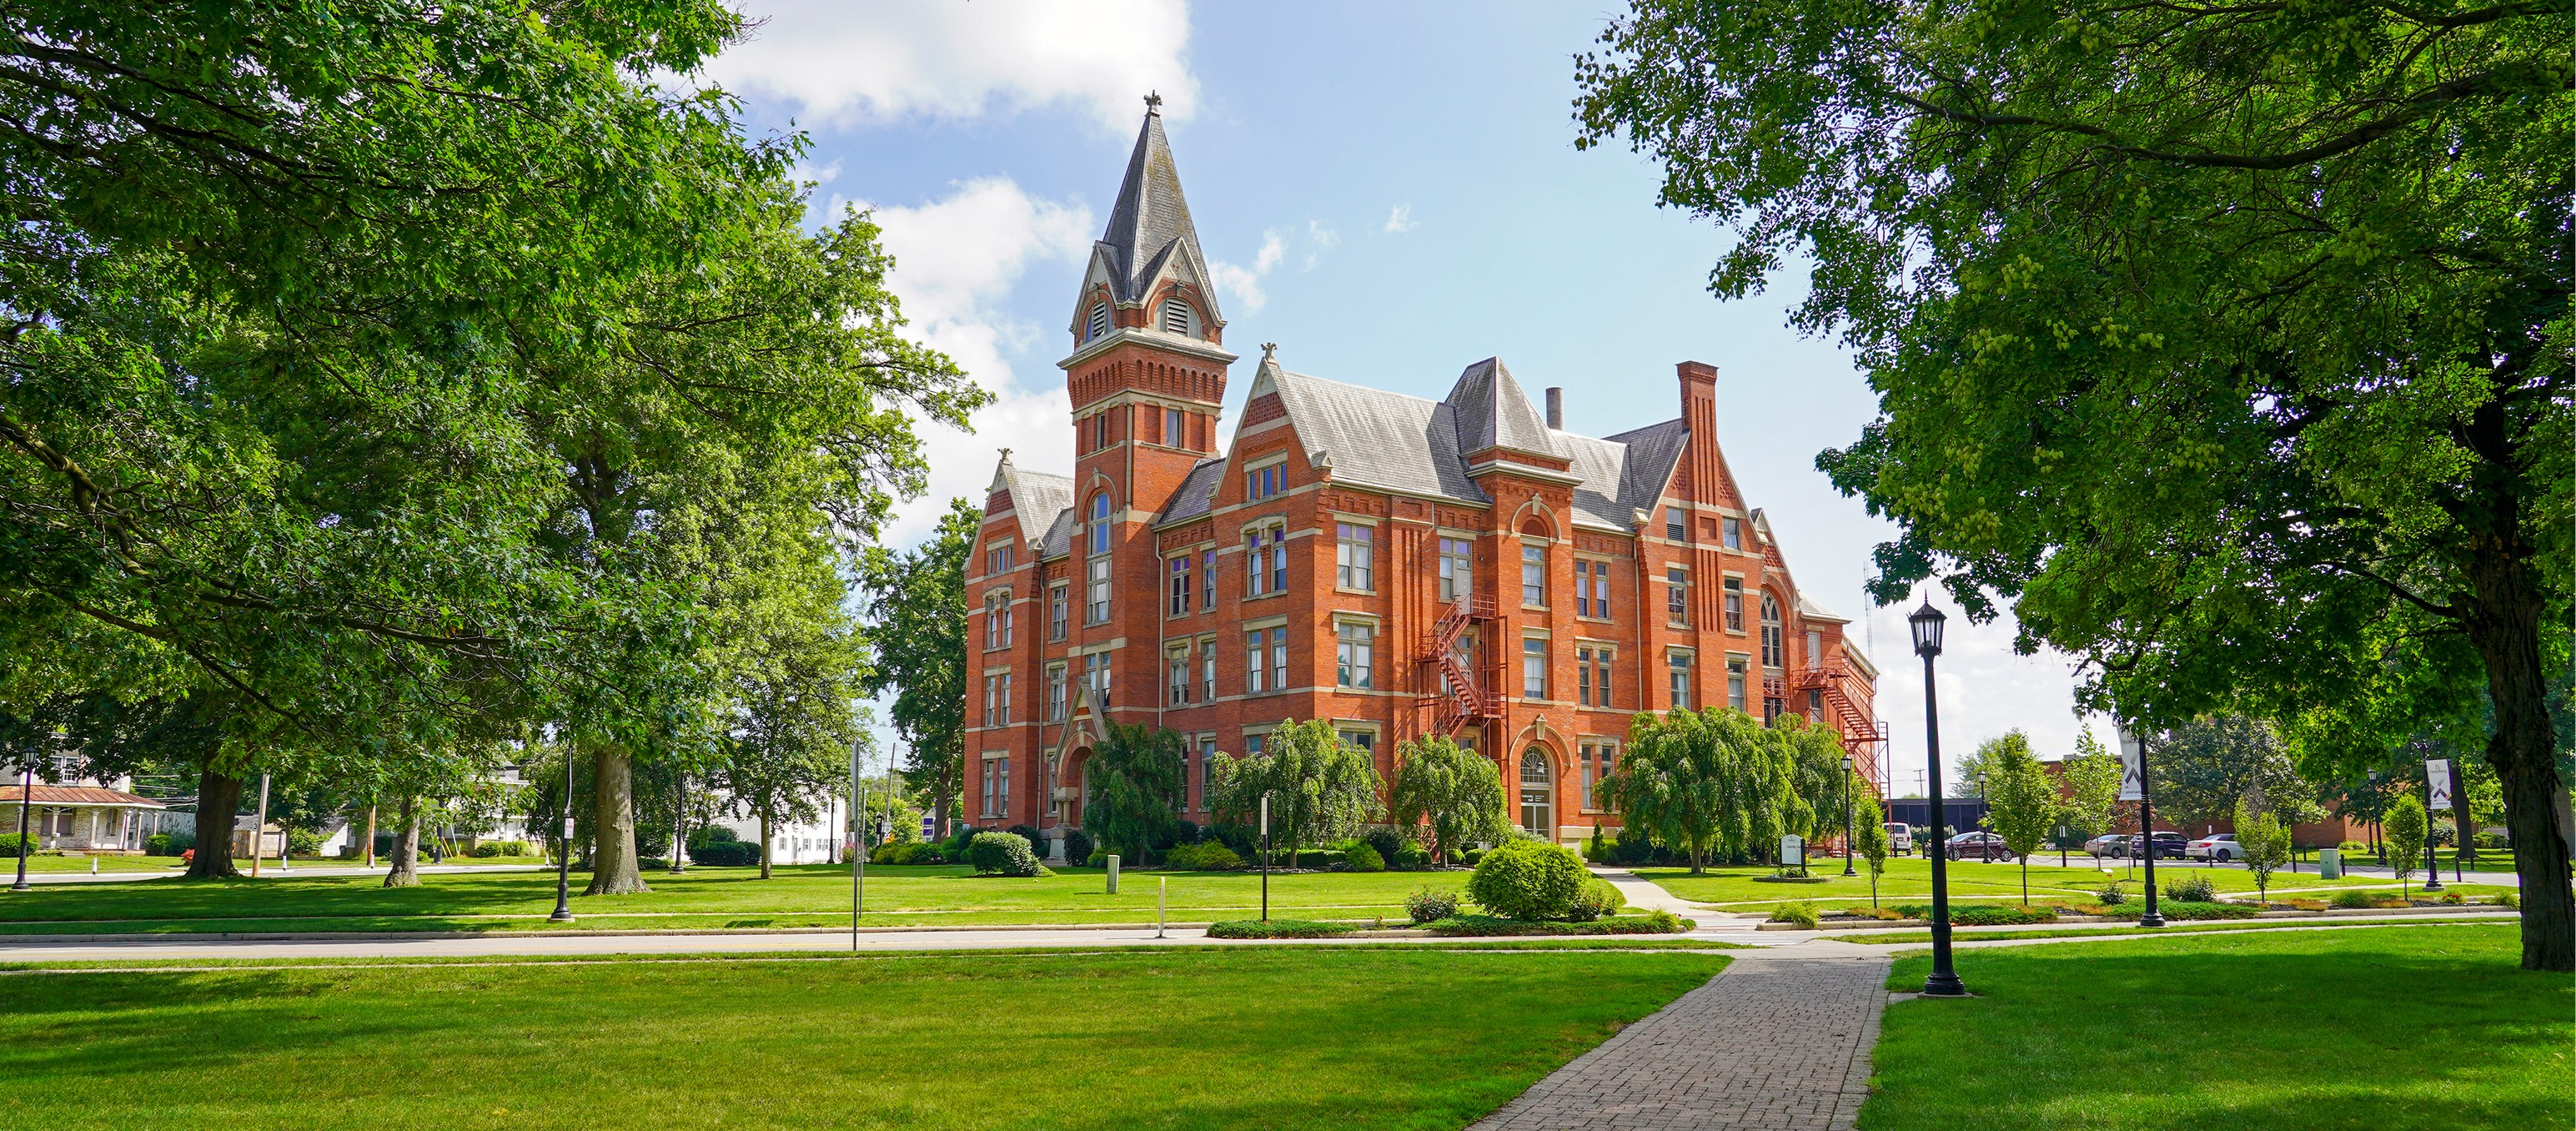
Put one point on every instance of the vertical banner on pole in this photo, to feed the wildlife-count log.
(2133, 778)
(2437, 778)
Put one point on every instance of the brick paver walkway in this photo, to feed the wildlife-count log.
(1774, 1043)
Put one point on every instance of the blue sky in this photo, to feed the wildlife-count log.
(1390, 192)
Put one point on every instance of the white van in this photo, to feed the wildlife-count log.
(1900, 838)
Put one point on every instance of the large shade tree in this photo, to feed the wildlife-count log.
(2227, 344)
(916, 608)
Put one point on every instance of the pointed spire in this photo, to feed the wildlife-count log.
(1150, 223)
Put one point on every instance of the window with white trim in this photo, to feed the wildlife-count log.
(1098, 583)
(1679, 675)
(1599, 759)
(1735, 681)
(1207, 579)
(1175, 429)
(1734, 592)
(1354, 559)
(1262, 482)
(1734, 528)
(1207, 670)
(1773, 655)
(1677, 596)
(1265, 559)
(1058, 604)
(1177, 659)
(1457, 569)
(997, 558)
(997, 699)
(1354, 654)
(1592, 675)
(1055, 692)
(1534, 577)
(1533, 668)
(1178, 585)
(1095, 674)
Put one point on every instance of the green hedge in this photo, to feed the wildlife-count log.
(1651, 923)
(11, 847)
(1206, 856)
(1528, 879)
(2195, 909)
(1277, 929)
(1983, 914)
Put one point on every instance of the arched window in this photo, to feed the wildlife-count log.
(1099, 322)
(1176, 316)
(1772, 656)
(1100, 524)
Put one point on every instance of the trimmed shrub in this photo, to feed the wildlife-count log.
(927, 854)
(1983, 914)
(1651, 923)
(303, 842)
(2494, 842)
(1600, 900)
(12, 846)
(2111, 895)
(1360, 857)
(2192, 889)
(2355, 900)
(1002, 854)
(2197, 909)
(726, 853)
(1206, 856)
(1099, 858)
(488, 850)
(2355, 848)
(2507, 899)
(1077, 845)
(1426, 905)
(1385, 841)
(1801, 914)
(1410, 856)
(1277, 929)
(1528, 879)
(1184, 831)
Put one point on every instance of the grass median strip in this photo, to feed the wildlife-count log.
(2108, 931)
(1242, 1036)
(2394, 1028)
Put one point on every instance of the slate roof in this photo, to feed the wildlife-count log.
(1150, 223)
(1037, 498)
(1492, 412)
(1197, 492)
(78, 795)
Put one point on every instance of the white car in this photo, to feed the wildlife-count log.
(2221, 847)
(1900, 838)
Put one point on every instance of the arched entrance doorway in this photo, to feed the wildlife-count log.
(1538, 794)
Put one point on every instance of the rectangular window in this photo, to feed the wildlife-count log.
(1358, 739)
(1008, 615)
(1261, 483)
(1180, 584)
(1771, 708)
(1534, 576)
(1815, 648)
(1099, 596)
(1256, 666)
(1457, 569)
(1002, 786)
(1534, 669)
(1278, 559)
(1586, 763)
(1592, 589)
(1815, 705)
(1734, 532)
(1583, 675)
(1255, 579)
(997, 560)
(1172, 435)
(1178, 660)
(1006, 698)
(1354, 654)
(1095, 674)
(989, 811)
(1207, 580)
(1252, 745)
(1199, 782)
(993, 622)
(1735, 604)
(1677, 596)
(1676, 527)
(1735, 679)
(1055, 692)
(997, 700)
(1353, 565)
(1601, 677)
(1207, 671)
(1681, 681)
(1279, 659)
(1056, 612)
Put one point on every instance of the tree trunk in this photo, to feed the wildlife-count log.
(218, 796)
(615, 869)
(2504, 626)
(405, 872)
(767, 839)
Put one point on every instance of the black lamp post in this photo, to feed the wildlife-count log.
(26, 792)
(1944, 982)
(2147, 833)
(1847, 817)
(2378, 846)
(563, 867)
(2432, 856)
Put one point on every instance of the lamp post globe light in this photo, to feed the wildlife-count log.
(1944, 982)
(1848, 842)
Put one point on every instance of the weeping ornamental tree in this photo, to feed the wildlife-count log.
(1320, 787)
(1135, 779)
(2227, 345)
(1456, 793)
(1706, 783)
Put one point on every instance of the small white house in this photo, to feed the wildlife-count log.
(89, 820)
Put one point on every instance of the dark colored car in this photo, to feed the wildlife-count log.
(1979, 846)
(2170, 846)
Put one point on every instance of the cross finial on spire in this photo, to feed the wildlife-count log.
(1269, 351)
(1006, 455)
(1153, 102)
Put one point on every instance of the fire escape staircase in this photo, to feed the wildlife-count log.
(1456, 694)
(1860, 734)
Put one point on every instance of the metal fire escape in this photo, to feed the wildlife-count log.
(1862, 737)
(1457, 695)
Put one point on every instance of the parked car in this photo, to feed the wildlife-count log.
(2114, 845)
(2168, 846)
(1900, 838)
(2221, 847)
(1979, 846)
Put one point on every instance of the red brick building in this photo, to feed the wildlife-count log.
(1398, 565)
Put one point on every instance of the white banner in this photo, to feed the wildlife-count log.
(2133, 778)
(2437, 773)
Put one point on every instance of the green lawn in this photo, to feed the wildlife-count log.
(2431, 1027)
(1253, 1037)
(2100, 932)
(1909, 880)
(816, 895)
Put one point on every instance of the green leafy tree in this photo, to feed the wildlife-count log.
(1814, 754)
(788, 750)
(2203, 767)
(1457, 793)
(2021, 799)
(2405, 828)
(2266, 844)
(1703, 782)
(2090, 780)
(1320, 787)
(1134, 783)
(917, 614)
(2229, 345)
(1870, 829)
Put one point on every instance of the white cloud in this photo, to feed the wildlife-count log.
(841, 61)
(1986, 690)
(1244, 283)
(1319, 235)
(957, 259)
(1400, 219)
